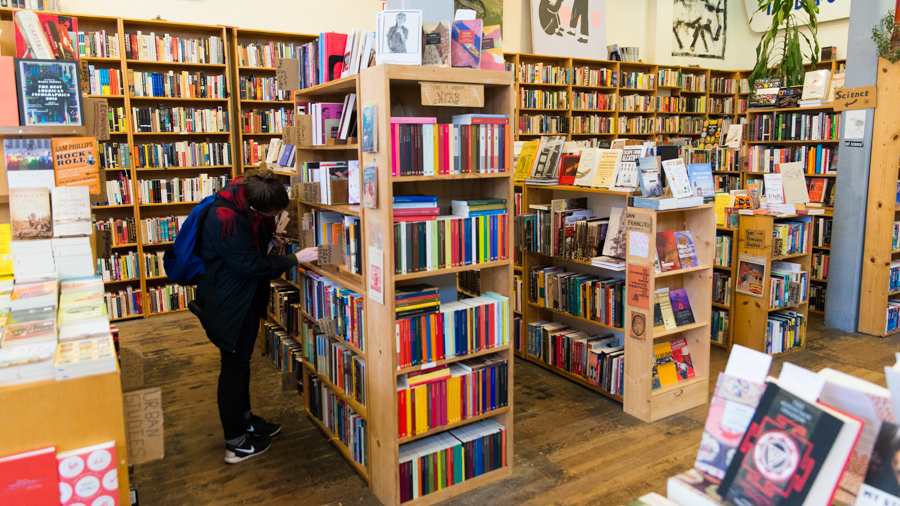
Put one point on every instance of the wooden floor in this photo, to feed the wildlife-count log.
(572, 446)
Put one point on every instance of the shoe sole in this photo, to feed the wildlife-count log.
(232, 458)
(276, 432)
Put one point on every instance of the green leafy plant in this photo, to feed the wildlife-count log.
(885, 37)
(780, 52)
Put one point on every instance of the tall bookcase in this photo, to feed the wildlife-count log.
(882, 211)
(395, 91)
(751, 314)
(251, 68)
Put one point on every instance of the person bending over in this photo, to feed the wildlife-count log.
(233, 294)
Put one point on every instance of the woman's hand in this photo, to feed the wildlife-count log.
(307, 255)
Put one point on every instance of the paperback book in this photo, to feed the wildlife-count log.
(437, 43)
(651, 184)
(465, 45)
(29, 163)
(30, 213)
(681, 307)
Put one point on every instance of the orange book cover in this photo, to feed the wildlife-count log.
(75, 162)
(9, 106)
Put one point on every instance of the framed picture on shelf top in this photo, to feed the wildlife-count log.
(399, 37)
(49, 92)
(751, 275)
(569, 28)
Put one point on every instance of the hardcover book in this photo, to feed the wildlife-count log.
(667, 250)
(664, 364)
(702, 182)
(31, 39)
(711, 135)
(492, 49)
(681, 307)
(676, 176)
(49, 93)
(815, 85)
(437, 43)
(651, 184)
(29, 163)
(687, 255)
(794, 452)
(71, 211)
(465, 45)
(683, 363)
(59, 33)
(29, 210)
(587, 167)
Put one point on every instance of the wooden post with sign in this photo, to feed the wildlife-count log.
(752, 279)
(642, 227)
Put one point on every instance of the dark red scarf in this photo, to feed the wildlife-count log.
(234, 193)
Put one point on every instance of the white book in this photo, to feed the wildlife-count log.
(676, 176)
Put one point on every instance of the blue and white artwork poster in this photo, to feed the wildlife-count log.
(569, 28)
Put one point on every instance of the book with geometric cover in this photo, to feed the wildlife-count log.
(465, 44)
(96, 465)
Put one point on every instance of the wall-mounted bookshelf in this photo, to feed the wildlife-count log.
(761, 323)
(879, 291)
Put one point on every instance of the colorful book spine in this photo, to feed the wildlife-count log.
(119, 267)
(255, 87)
(450, 241)
(785, 331)
(340, 419)
(124, 303)
(114, 155)
(343, 368)
(182, 154)
(182, 84)
(581, 295)
(165, 48)
(164, 191)
(170, 298)
(179, 120)
(266, 121)
(123, 231)
(425, 149)
(160, 230)
(282, 349)
(153, 264)
(324, 298)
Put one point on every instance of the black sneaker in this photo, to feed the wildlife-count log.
(259, 425)
(252, 446)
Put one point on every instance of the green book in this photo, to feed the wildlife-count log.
(76, 314)
(482, 202)
(79, 298)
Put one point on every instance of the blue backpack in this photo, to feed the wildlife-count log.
(182, 262)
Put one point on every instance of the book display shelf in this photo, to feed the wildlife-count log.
(396, 91)
(879, 304)
(255, 93)
(759, 320)
(641, 399)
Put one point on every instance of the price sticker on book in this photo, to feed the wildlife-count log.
(287, 74)
(327, 326)
(331, 254)
(453, 94)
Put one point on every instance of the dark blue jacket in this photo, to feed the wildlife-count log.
(235, 282)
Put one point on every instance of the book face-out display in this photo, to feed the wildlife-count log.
(49, 93)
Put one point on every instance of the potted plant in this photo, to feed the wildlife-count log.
(780, 52)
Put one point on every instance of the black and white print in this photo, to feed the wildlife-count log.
(699, 28)
(400, 37)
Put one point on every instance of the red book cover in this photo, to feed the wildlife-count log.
(29, 478)
(816, 189)
(667, 250)
(684, 366)
(89, 476)
(335, 43)
(9, 106)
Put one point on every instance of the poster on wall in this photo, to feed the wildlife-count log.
(490, 11)
(570, 28)
(699, 28)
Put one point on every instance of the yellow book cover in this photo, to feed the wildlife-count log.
(607, 163)
(76, 162)
(6, 263)
(665, 306)
(723, 201)
(525, 161)
(665, 364)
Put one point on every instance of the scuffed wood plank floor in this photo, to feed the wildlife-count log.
(572, 447)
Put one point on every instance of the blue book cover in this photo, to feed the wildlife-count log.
(702, 182)
(415, 198)
(651, 183)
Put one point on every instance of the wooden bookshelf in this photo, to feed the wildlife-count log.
(729, 271)
(751, 314)
(882, 210)
(241, 38)
(396, 91)
(640, 399)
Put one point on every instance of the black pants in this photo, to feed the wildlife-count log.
(234, 380)
(580, 10)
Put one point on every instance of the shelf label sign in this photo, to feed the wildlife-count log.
(290, 135)
(849, 99)
(331, 254)
(453, 94)
(754, 239)
(144, 425)
(639, 286)
(287, 74)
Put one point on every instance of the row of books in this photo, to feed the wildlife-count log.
(338, 181)
(170, 298)
(693, 82)
(723, 249)
(153, 264)
(443, 460)
(264, 54)
(161, 229)
(473, 143)
(788, 285)
(795, 126)
(822, 227)
(596, 298)
(345, 370)
(543, 99)
(104, 81)
(449, 241)
(179, 119)
(255, 121)
(892, 322)
(785, 331)
(276, 154)
(719, 326)
(721, 288)
(332, 120)
(817, 293)
(451, 393)
(728, 85)
(428, 332)
(118, 122)
(119, 267)
(592, 124)
(324, 298)
(819, 265)
(335, 228)
(593, 101)
(531, 124)
(124, 302)
(586, 76)
(182, 154)
(540, 73)
(672, 363)
(790, 238)
(119, 191)
(282, 349)
(338, 417)
(165, 48)
(253, 87)
(114, 155)
(894, 277)
(99, 44)
(164, 191)
(566, 229)
(816, 159)
(638, 81)
(123, 231)
(174, 84)
(599, 359)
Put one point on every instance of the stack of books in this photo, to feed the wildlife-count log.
(482, 207)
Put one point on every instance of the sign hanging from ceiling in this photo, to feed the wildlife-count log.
(829, 10)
